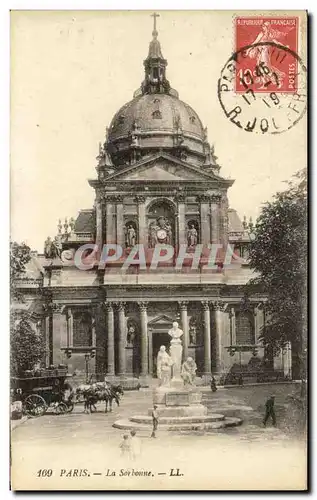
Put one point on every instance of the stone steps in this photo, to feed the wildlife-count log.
(144, 419)
(129, 424)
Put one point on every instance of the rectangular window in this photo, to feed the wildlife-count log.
(82, 336)
(244, 329)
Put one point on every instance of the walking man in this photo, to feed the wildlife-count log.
(213, 385)
(270, 411)
(154, 421)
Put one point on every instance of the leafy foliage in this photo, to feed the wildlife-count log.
(20, 254)
(279, 254)
(26, 345)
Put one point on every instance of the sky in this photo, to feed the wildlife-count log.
(72, 70)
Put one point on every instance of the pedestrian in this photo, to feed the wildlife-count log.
(213, 386)
(125, 446)
(135, 445)
(270, 411)
(154, 421)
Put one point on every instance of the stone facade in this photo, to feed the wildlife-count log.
(157, 182)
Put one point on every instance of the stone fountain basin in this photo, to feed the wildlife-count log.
(129, 424)
(144, 419)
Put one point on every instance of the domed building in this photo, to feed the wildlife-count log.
(158, 186)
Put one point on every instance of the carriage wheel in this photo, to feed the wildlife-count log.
(61, 408)
(70, 407)
(34, 405)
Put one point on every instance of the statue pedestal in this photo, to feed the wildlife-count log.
(179, 407)
(178, 402)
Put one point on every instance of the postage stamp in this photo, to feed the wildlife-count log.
(264, 112)
(260, 60)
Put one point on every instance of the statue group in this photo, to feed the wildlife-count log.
(160, 231)
(170, 364)
(53, 248)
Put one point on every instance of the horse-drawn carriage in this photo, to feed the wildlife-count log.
(43, 390)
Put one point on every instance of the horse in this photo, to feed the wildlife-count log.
(99, 391)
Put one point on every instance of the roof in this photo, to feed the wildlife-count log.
(155, 51)
(33, 269)
(173, 112)
(236, 231)
(85, 222)
(235, 224)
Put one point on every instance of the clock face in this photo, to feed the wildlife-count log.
(161, 234)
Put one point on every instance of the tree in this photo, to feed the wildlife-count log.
(26, 345)
(278, 254)
(20, 255)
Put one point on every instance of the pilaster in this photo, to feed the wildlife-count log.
(207, 340)
(184, 321)
(204, 219)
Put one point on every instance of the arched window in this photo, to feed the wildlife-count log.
(244, 328)
(161, 222)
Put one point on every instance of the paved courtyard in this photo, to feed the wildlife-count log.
(242, 457)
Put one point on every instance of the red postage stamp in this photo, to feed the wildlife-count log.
(263, 66)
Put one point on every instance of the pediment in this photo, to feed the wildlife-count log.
(162, 320)
(161, 171)
(162, 168)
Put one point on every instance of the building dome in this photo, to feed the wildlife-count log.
(156, 120)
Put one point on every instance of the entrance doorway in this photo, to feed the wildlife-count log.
(160, 337)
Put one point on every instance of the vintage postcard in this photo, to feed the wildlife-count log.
(158, 333)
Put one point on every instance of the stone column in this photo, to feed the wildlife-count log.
(144, 340)
(70, 327)
(122, 338)
(204, 219)
(110, 340)
(150, 351)
(99, 223)
(232, 316)
(110, 233)
(287, 360)
(207, 341)
(214, 216)
(256, 324)
(181, 220)
(93, 327)
(184, 321)
(48, 343)
(142, 236)
(224, 220)
(119, 221)
(219, 308)
(59, 334)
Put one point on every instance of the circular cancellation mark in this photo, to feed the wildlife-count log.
(251, 97)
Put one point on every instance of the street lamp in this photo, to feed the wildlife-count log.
(88, 356)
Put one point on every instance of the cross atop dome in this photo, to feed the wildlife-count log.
(154, 32)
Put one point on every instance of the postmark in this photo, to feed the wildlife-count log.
(255, 30)
(268, 112)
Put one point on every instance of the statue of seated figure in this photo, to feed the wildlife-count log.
(188, 372)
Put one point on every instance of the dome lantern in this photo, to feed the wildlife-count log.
(155, 81)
